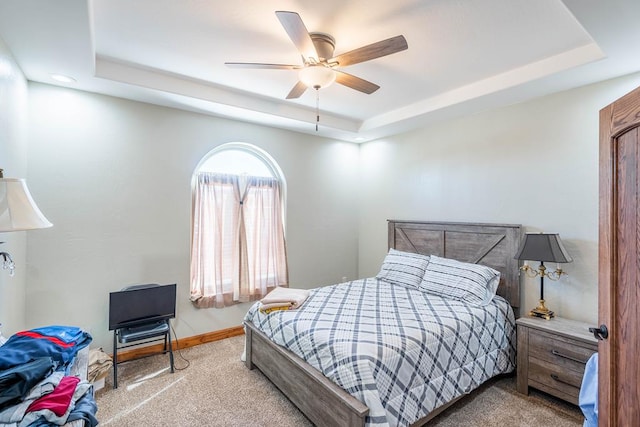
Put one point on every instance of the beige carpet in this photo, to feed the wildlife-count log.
(217, 390)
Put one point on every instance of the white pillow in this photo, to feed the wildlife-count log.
(472, 283)
(403, 268)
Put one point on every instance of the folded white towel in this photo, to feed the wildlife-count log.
(282, 296)
(284, 305)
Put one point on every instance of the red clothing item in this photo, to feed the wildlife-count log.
(59, 399)
(55, 340)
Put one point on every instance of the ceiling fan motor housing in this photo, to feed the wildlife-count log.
(324, 44)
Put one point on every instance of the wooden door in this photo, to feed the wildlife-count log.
(619, 263)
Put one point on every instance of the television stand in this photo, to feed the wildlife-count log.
(140, 314)
(137, 333)
(141, 333)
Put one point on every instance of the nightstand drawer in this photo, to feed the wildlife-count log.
(563, 352)
(555, 380)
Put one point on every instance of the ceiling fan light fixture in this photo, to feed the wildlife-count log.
(317, 76)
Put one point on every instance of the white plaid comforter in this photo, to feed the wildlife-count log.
(400, 351)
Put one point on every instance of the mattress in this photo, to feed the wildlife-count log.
(400, 351)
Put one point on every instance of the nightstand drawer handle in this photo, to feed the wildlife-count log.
(557, 353)
(557, 378)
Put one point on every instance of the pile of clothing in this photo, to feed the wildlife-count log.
(100, 364)
(35, 386)
(283, 299)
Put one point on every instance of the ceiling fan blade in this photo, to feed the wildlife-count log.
(297, 90)
(372, 51)
(298, 33)
(355, 82)
(262, 66)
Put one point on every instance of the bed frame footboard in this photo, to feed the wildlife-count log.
(322, 401)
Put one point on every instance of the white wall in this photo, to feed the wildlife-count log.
(114, 178)
(534, 164)
(13, 159)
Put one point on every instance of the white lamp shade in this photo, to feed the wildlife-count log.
(18, 211)
(317, 76)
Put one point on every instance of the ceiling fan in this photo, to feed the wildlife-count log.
(319, 67)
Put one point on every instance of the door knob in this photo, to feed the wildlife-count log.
(601, 333)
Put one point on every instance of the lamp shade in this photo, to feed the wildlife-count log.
(543, 247)
(317, 76)
(18, 211)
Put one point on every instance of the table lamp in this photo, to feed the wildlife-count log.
(543, 247)
(18, 212)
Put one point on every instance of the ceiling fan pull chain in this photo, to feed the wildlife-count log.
(317, 106)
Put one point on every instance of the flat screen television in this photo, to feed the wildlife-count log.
(147, 304)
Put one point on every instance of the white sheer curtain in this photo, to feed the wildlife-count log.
(238, 250)
(264, 232)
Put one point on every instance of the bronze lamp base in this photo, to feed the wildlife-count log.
(541, 311)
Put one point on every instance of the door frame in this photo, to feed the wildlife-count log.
(615, 119)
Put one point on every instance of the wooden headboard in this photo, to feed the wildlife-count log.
(493, 245)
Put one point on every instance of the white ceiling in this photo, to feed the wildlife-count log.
(464, 55)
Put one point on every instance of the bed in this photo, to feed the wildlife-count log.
(416, 400)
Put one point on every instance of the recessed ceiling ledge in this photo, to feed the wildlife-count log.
(124, 72)
(517, 76)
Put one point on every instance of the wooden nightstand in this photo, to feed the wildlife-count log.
(552, 355)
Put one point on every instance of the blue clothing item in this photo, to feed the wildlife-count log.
(16, 382)
(85, 409)
(61, 343)
(588, 399)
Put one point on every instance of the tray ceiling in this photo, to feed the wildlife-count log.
(463, 55)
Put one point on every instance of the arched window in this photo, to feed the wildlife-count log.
(238, 250)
